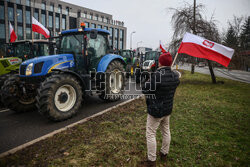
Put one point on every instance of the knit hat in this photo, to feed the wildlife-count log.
(165, 59)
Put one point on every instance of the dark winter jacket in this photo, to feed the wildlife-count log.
(162, 84)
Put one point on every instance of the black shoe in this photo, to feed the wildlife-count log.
(163, 157)
(148, 163)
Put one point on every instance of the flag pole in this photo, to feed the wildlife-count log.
(174, 59)
(9, 32)
(32, 35)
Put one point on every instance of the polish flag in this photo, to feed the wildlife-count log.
(39, 28)
(13, 36)
(196, 46)
(163, 49)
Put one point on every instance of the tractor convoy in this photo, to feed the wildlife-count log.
(57, 84)
(35, 78)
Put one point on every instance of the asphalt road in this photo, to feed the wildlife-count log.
(242, 76)
(17, 129)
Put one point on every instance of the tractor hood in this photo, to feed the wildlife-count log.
(50, 58)
(44, 64)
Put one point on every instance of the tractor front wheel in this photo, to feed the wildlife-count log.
(59, 97)
(14, 98)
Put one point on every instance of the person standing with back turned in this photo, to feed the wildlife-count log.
(162, 84)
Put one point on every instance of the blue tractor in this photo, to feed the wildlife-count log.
(57, 84)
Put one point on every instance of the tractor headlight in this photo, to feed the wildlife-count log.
(29, 69)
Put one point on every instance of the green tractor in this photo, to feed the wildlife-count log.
(17, 52)
(13, 54)
(128, 56)
(57, 84)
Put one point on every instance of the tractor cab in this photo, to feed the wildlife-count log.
(28, 49)
(19, 51)
(87, 46)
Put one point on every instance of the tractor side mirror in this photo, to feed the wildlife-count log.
(93, 34)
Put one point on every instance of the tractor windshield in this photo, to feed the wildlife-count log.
(21, 50)
(40, 49)
(151, 56)
(126, 53)
(72, 44)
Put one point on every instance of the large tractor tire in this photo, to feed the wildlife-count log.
(115, 82)
(3, 78)
(14, 98)
(59, 97)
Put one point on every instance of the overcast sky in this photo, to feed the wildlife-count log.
(151, 21)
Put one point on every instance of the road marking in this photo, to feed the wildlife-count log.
(12, 151)
(4, 110)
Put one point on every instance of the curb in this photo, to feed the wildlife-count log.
(14, 150)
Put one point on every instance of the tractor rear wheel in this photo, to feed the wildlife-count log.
(115, 82)
(59, 97)
(14, 98)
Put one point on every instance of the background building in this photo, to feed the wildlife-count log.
(56, 16)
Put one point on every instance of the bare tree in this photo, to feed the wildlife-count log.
(233, 39)
(190, 19)
(182, 22)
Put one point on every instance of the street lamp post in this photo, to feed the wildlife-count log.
(131, 39)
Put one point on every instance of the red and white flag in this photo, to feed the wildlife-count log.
(39, 28)
(163, 49)
(13, 36)
(196, 46)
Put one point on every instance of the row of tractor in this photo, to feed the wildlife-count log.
(36, 76)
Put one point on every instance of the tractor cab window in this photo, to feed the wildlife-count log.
(126, 54)
(97, 47)
(71, 44)
(147, 56)
(151, 55)
(22, 51)
(40, 49)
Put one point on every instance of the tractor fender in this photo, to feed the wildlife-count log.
(105, 61)
(81, 79)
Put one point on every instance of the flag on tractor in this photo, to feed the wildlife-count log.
(39, 28)
(196, 46)
(13, 36)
